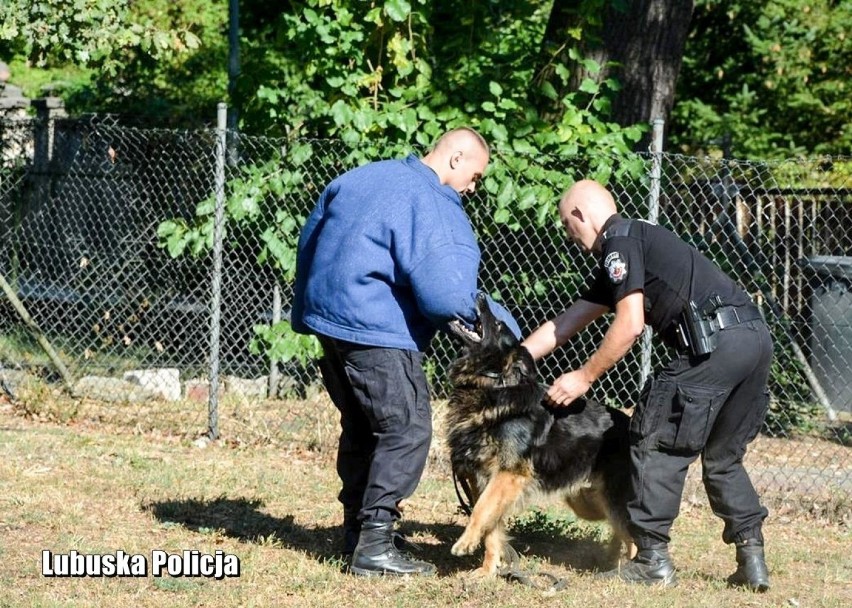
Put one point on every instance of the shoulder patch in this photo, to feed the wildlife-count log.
(616, 267)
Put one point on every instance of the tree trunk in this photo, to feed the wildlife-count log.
(639, 43)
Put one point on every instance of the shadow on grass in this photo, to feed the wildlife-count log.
(243, 519)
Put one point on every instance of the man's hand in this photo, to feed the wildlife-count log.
(568, 387)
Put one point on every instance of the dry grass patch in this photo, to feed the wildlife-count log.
(98, 485)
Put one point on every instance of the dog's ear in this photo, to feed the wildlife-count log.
(507, 340)
(521, 368)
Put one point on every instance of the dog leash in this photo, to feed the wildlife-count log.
(513, 573)
(466, 507)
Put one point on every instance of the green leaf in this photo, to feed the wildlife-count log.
(522, 146)
(500, 133)
(542, 216)
(351, 137)
(589, 86)
(374, 15)
(495, 89)
(300, 153)
(167, 228)
(592, 66)
(612, 84)
(161, 40)
(191, 40)
(409, 120)
(506, 194)
(341, 113)
(548, 91)
(528, 199)
(175, 245)
(310, 15)
(502, 216)
(206, 207)
(398, 10)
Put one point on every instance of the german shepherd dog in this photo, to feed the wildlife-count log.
(506, 445)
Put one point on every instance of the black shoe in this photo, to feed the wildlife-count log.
(651, 566)
(751, 567)
(377, 554)
(350, 541)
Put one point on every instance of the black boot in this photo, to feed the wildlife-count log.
(376, 554)
(651, 566)
(352, 530)
(751, 566)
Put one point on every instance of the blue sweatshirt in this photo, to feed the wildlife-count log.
(386, 257)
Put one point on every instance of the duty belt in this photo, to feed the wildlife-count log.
(697, 332)
(728, 316)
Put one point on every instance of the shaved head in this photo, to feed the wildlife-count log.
(584, 209)
(463, 138)
(459, 159)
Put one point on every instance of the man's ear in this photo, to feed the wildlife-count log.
(578, 214)
(456, 158)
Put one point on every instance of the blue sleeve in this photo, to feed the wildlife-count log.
(505, 316)
(444, 285)
(304, 257)
(445, 288)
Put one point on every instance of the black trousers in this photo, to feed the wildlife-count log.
(385, 425)
(711, 406)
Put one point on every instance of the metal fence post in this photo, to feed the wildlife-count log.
(216, 280)
(653, 216)
(272, 389)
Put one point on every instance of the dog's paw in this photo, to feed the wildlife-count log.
(481, 573)
(464, 546)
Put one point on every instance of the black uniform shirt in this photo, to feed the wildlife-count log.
(670, 272)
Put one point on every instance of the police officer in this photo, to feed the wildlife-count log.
(387, 257)
(709, 400)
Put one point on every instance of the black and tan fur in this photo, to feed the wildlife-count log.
(506, 446)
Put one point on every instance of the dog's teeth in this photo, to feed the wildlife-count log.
(472, 335)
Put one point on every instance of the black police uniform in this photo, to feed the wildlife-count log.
(711, 405)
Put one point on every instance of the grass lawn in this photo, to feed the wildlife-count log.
(99, 488)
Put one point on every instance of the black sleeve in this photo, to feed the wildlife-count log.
(598, 291)
(621, 271)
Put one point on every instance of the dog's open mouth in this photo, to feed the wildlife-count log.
(470, 334)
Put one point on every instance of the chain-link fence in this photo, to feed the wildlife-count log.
(109, 261)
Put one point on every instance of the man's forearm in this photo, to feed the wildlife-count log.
(628, 325)
(616, 344)
(557, 332)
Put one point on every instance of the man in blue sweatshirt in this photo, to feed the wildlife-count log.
(386, 258)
